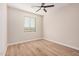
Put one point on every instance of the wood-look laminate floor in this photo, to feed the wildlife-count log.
(40, 48)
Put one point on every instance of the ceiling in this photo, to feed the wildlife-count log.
(29, 6)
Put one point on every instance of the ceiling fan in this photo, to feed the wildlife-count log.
(44, 7)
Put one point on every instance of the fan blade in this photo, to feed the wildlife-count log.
(48, 6)
(40, 6)
(45, 10)
(38, 10)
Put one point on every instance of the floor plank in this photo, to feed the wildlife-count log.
(40, 48)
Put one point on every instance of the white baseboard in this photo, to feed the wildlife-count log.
(45, 39)
(23, 41)
(4, 53)
(63, 44)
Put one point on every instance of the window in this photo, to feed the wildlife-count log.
(29, 24)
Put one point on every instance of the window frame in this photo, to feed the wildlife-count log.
(35, 24)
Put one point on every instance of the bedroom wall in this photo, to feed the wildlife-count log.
(3, 28)
(61, 25)
(16, 26)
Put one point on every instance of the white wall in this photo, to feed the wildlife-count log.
(16, 26)
(62, 25)
(3, 28)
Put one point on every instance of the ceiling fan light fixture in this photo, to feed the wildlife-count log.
(44, 6)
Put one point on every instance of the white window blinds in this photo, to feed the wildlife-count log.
(29, 24)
